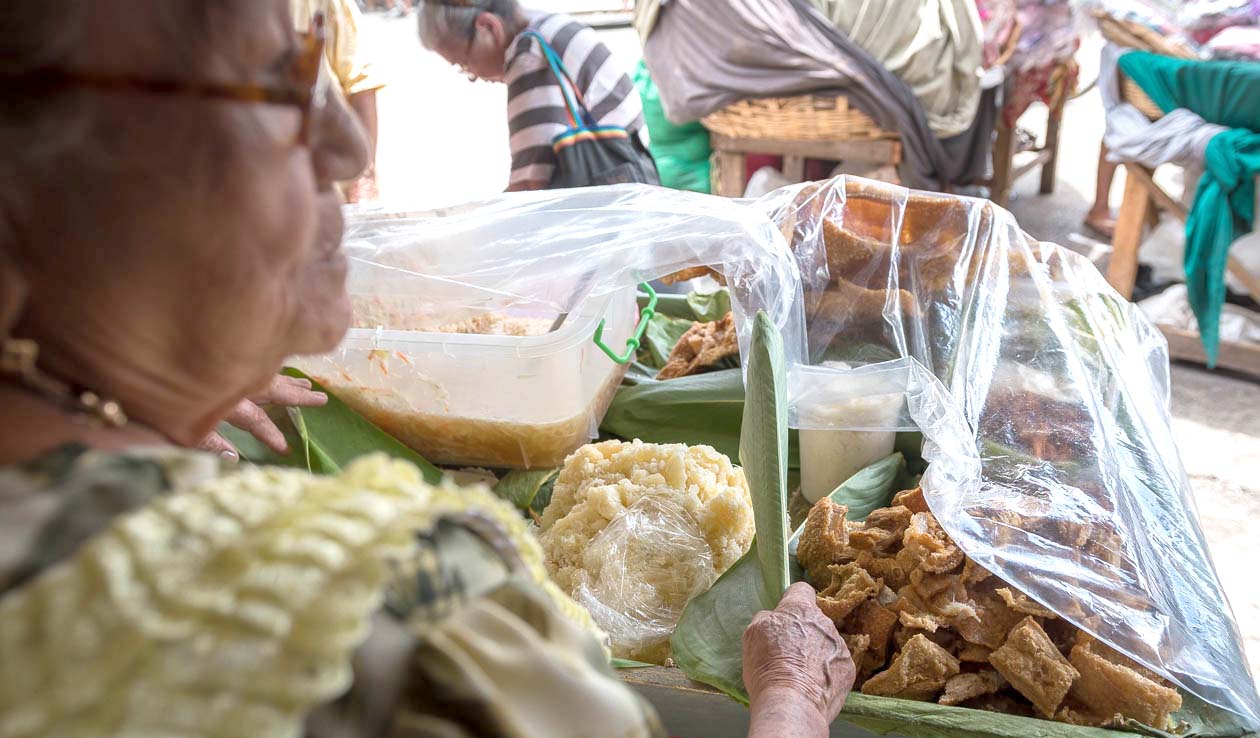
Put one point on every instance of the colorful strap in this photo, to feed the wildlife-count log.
(579, 116)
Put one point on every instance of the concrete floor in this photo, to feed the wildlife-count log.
(443, 141)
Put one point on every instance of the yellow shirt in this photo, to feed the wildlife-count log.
(348, 62)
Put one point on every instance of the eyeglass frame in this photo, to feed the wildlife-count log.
(307, 92)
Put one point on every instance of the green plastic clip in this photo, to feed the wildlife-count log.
(633, 342)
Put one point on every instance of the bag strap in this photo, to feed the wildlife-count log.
(576, 106)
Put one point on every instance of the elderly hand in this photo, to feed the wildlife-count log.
(797, 669)
(249, 416)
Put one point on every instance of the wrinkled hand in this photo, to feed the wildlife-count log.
(796, 650)
(249, 416)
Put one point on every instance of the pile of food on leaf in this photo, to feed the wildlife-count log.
(924, 622)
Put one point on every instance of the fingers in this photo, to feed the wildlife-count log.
(799, 595)
(250, 418)
(217, 444)
(291, 392)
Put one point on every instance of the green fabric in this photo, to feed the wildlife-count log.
(1228, 94)
(681, 152)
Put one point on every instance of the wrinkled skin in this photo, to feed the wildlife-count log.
(177, 249)
(797, 669)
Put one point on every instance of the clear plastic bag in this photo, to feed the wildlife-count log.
(474, 325)
(640, 572)
(1043, 400)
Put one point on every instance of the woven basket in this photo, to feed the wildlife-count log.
(801, 118)
(1136, 36)
(1131, 93)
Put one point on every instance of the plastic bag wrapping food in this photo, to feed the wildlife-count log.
(639, 573)
(474, 324)
(547, 250)
(1044, 402)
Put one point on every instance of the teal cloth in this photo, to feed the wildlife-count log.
(1228, 94)
(681, 152)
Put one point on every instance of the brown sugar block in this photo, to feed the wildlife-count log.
(1034, 667)
(877, 623)
(965, 687)
(850, 585)
(919, 672)
(1107, 688)
(824, 539)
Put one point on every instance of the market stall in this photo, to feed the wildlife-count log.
(959, 435)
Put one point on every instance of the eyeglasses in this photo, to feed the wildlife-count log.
(306, 89)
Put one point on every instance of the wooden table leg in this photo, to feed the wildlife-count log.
(1122, 271)
(728, 173)
(1049, 170)
(1003, 151)
(794, 168)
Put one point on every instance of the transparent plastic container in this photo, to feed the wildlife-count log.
(486, 400)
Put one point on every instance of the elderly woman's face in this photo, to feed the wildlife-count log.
(202, 226)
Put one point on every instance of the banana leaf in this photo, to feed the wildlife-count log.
(707, 644)
(763, 452)
(323, 440)
(528, 490)
(705, 409)
(710, 306)
(661, 336)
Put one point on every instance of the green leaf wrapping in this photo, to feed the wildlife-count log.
(325, 439)
(705, 409)
(710, 306)
(871, 488)
(527, 490)
(763, 452)
(661, 336)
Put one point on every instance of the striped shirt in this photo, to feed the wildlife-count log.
(535, 105)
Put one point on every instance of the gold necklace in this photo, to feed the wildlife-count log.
(18, 361)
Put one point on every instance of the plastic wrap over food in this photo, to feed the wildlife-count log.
(1043, 398)
(640, 572)
(474, 326)
(550, 250)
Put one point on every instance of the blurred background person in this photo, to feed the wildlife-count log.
(498, 41)
(355, 73)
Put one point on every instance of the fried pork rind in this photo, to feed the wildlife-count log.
(965, 687)
(824, 540)
(912, 499)
(1107, 687)
(877, 623)
(927, 546)
(919, 672)
(993, 619)
(1000, 702)
(970, 653)
(1022, 603)
(1034, 667)
(850, 585)
(973, 573)
(703, 347)
(887, 568)
(693, 273)
(859, 646)
(883, 530)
